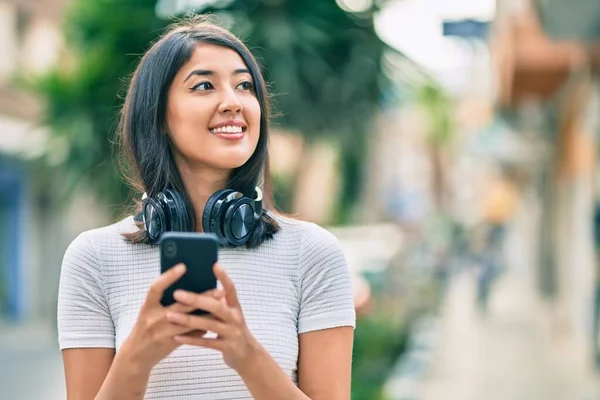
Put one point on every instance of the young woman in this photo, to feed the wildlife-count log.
(195, 128)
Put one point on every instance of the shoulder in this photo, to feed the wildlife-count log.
(303, 229)
(323, 278)
(305, 233)
(314, 244)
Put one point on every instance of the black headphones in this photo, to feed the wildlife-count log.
(228, 214)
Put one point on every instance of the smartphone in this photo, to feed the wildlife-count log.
(199, 252)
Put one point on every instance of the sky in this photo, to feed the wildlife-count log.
(415, 28)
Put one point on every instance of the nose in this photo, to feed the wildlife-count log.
(230, 102)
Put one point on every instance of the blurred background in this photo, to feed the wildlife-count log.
(451, 146)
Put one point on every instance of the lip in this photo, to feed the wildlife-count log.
(230, 136)
(241, 124)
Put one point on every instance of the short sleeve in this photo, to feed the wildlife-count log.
(326, 296)
(84, 319)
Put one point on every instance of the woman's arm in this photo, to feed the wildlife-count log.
(96, 373)
(325, 363)
(324, 369)
(326, 317)
(265, 379)
(85, 371)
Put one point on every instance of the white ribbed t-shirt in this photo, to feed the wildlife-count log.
(296, 282)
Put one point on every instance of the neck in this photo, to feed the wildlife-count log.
(201, 183)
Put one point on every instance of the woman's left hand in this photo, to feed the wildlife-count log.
(226, 319)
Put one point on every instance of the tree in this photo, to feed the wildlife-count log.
(324, 65)
(438, 107)
(83, 98)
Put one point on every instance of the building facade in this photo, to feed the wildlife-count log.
(34, 228)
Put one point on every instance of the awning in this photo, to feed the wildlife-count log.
(570, 19)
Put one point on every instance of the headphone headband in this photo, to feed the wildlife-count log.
(257, 192)
(258, 200)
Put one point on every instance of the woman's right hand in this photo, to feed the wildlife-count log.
(151, 338)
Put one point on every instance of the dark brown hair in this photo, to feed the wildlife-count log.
(147, 161)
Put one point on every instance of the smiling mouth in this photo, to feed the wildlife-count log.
(228, 130)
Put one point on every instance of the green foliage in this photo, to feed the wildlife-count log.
(323, 63)
(282, 191)
(83, 99)
(379, 339)
(438, 107)
(351, 162)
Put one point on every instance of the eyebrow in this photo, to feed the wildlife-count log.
(207, 72)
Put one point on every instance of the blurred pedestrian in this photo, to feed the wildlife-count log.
(195, 123)
(499, 205)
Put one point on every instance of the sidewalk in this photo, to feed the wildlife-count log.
(510, 354)
(30, 363)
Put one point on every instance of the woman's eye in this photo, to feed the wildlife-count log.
(203, 86)
(246, 85)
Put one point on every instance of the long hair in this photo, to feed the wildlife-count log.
(147, 157)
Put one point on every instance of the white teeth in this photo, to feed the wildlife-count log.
(227, 129)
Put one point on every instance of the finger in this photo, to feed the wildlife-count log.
(180, 308)
(228, 286)
(210, 292)
(209, 304)
(199, 323)
(171, 330)
(195, 334)
(160, 284)
(215, 344)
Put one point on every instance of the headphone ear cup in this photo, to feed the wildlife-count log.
(180, 215)
(258, 230)
(155, 220)
(209, 224)
(239, 222)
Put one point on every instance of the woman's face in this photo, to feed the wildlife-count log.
(213, 115)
